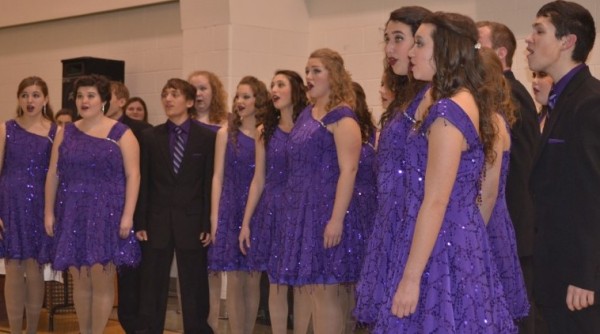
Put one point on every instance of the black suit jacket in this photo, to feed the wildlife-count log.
(136, 126)
(525, 135)
(566, 189)
(175, 206)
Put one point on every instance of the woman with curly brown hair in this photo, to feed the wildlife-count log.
(441, 276)
(234, 168)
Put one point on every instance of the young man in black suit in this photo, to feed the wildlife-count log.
(173, 213)
(128, 278)
(524, 138)
(566, 174)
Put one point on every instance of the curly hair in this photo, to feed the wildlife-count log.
(405, 87)
(495, 87)
(262, 104)
(365, 119)
(218, 103)
(100, 82)
(340, 81)
(270, 119)
(459, 66)
(47, 113)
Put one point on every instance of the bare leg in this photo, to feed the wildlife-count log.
(328, 313)
(34, 294)
(82, 297)
(278, 308)
(302, 309)
(103, 295)
(252, 299)
(214, 287)
(14, 292)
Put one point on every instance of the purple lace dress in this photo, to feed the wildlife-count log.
(211, 127)
(26, 159)
(504, 249)
(225, 254)
(90, 200)
(460, 291)
(365, 187)
(390, 197)
(265, 227)
(313, 174)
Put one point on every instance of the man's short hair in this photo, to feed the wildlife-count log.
(572, 18)
(501, 36)
(119, 89)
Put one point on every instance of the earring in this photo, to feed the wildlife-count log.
(44, 110)
(103, 108)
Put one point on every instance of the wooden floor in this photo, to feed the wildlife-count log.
(67, 323)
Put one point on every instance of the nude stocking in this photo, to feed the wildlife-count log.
(93, 296)
(302, 310)
(243, 296)
(34, 298)
(214, 289)
(327, 310)
(278, 308)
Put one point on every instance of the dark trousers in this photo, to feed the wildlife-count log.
(533, 323)
(561, 320)
(128, 280)
(193, 280)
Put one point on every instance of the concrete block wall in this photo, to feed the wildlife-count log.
(232, 38)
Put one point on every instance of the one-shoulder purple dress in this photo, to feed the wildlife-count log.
(460, 291)
(365, 186)
(90, 200)
(225, 254)
(390, 169)
(504, 249)
(266, 223)
(313, 173)
(26, 159)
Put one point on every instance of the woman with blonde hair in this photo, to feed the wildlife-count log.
(323, 233)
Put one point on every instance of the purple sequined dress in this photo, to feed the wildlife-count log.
(225, 254)
(504, 249)
(26, 159)
(460, 291)
(90, 200)
(365, 187)
(390, 197)
(313, 174)
(265, 227)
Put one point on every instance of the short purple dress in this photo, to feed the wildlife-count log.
(90, 200)
(265, 226)
(389, 166)
(504, 249)
(313, 173)
(365, 186)
(26, 159)
(460, 291)
(225, 254)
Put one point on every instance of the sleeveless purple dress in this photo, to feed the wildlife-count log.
(265, 226)
(504, 249)
(313, 174)
(460, 291)
(225, 254)
(26, 160)
(211, 127)
(90, 200)
(390, 197)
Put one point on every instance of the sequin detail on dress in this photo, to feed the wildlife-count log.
(390, 168)
(312, 179)
(26, 160)
(90, 201)
(460, 291)
(225, 254)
